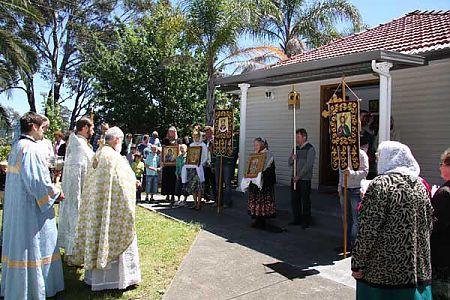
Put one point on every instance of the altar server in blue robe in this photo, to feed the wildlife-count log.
(31, 262)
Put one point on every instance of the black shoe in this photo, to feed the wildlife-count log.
(294, 223)
(273, 228)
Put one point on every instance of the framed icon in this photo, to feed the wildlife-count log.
(169, 155)
(255, 165)
(223, 124)
(194, 155)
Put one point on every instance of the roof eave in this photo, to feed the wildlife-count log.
(352, 64)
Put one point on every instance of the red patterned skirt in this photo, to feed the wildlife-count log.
(261, 203)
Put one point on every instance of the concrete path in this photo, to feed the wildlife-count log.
(231, 260)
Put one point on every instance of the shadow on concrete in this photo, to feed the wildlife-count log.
(289, 271)
(296, 249)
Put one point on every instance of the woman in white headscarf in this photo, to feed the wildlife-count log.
(391, 257)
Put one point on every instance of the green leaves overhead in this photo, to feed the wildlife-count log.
(301, 25)
(16, 57)
(215, 26)
(149, 79)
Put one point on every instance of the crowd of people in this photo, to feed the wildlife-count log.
(398, 227)
(103, 177)
(172, 175)
(96, 225)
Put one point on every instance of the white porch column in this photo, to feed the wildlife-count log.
(243, 124)
(383, 69)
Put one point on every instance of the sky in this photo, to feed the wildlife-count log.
(373, 14)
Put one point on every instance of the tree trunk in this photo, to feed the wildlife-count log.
(73, 119)
(30, 94)
(210, 96)
(75, 112)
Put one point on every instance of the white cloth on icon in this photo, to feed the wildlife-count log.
(245, 182)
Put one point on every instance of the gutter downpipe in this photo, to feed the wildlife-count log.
(243, 124)
(385, 106)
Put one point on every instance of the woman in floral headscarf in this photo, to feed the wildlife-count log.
(261, 201)
(391, 257)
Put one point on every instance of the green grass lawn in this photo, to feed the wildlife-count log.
(162, 243)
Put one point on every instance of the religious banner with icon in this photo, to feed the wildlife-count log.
(344, 133)
(223, 132)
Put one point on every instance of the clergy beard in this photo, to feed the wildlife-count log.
(118, 147)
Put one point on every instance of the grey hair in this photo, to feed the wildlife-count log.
(112, 133)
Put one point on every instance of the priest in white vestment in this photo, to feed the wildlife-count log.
(78, 158)
(105, 242)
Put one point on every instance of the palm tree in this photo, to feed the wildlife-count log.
(249, 59)
(300, 26)
(17, 59)
(215, 26)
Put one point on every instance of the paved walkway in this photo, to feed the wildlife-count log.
(231, 260)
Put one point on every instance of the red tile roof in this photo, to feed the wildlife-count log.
(416, 32)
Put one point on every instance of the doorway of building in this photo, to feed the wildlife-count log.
(368, 91)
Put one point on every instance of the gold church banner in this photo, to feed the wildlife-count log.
(223, 132)
(344, 133)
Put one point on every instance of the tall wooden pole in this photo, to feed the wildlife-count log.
(345, 186)
(295, 152)
(345, 213)
(219, 193)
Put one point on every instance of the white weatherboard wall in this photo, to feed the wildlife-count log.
(420, 107)
(273, 120)
(421, 110)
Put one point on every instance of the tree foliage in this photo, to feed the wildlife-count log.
(215, 26)
(56, 39)
(302, 24)
(55, 119)
(17, 58)
(149, 79)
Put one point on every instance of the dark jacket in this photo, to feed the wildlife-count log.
(440, 238)
(269, 176)
(62, 150)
